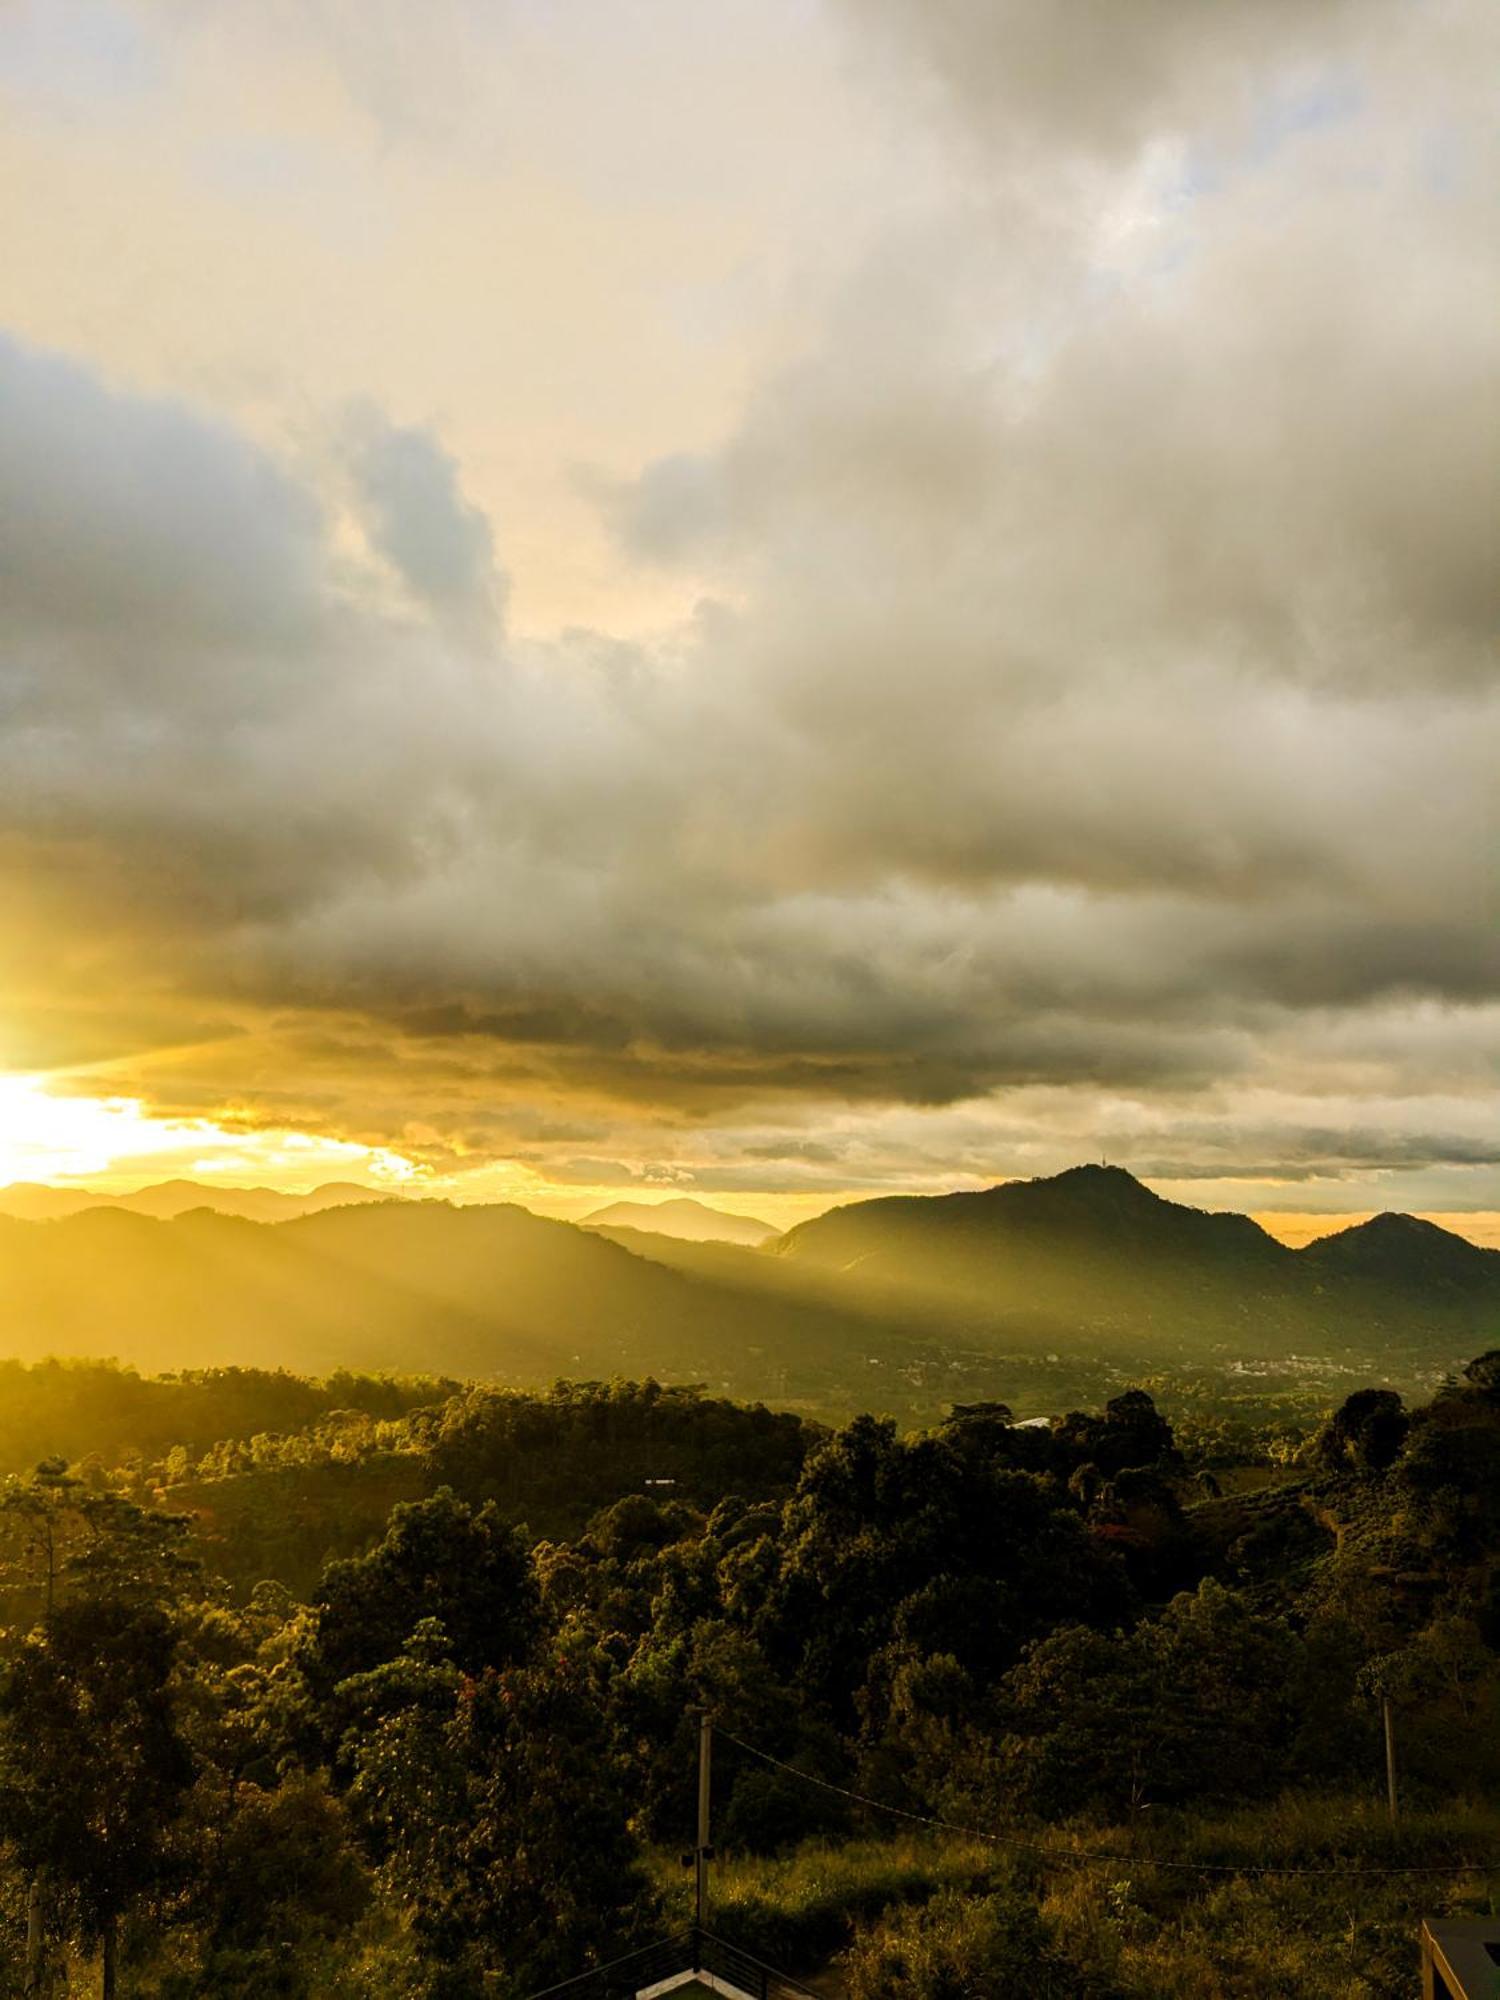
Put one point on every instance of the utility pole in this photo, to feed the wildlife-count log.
(36, 1942)
(1390, 1755)
(704, 1851)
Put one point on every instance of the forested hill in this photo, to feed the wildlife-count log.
(1044, 1292)
(1095, 1251)
(1406, 1253)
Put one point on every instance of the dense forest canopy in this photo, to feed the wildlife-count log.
(392, 1686)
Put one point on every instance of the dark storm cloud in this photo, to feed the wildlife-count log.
(704, 892)
(1100, 699)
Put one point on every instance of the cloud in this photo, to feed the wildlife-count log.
(419, 82)
(693, 891)
(417, 518)
(128, 516)
(1103, 80)
(1089, 729)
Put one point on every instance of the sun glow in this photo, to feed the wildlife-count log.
(115, 1144)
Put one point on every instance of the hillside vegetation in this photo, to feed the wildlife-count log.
(1088, 1709)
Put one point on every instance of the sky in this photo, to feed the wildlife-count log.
(780, 599)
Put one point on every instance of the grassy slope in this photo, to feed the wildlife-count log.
(1137, 1929)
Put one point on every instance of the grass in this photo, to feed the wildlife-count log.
(1137, 1929)
(797, 1910)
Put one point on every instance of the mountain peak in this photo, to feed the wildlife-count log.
(1098, 1177)
(1054, 1236)
(1396, 1224)
(682, 1217)
(1393, 1248)
(1091, 1194)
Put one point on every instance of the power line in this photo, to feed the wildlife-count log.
(1114, 1859)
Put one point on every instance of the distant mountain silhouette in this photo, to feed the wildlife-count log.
(31, 1201)
(403, 1285)
(1095, 1217)
(1405, 1251)
(945, 1297)
(1095, 1250)
(690, 1221)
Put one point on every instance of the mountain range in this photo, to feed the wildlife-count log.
(489, 1291)
(900, 1303)
(34, 1201)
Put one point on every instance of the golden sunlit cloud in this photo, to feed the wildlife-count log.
(114, 1144)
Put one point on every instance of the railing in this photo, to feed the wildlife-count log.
(762, 1982)
(689, 1951)
(623, 1978)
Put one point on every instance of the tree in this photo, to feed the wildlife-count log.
(654, 1705)
(1131, 1432)
(1199, 1702)
(880, 1521)
(284, 1877)
(1135, 1432)
(497, 1815)
(93, 1766)
(1452, 1469)
(1365, 1433)
(440, 1559)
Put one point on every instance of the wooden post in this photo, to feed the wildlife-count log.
(1390, 1756)
(705, 1764)
(1429, 1971)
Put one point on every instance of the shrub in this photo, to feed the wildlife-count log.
(961, 1948)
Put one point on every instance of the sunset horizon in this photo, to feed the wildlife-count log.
(298, 1165)
(637, 648)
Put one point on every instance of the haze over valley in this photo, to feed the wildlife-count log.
(1034, 1292)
